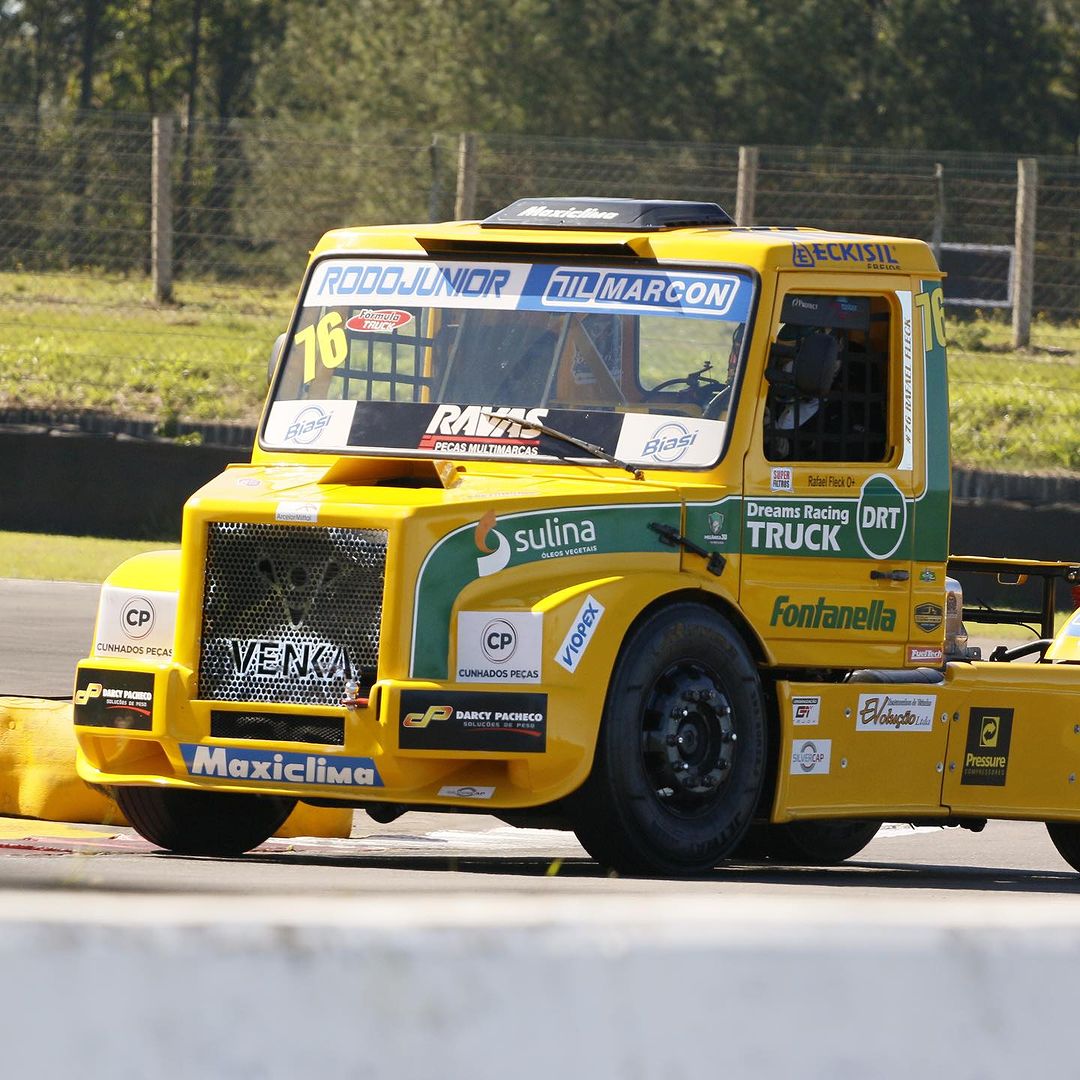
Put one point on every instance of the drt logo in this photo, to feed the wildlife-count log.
(882, 517)
(421, 720)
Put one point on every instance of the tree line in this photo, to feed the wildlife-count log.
(986, 75)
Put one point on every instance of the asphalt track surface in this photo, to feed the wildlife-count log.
(459, 859)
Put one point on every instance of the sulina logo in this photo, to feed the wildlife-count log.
(491, 559)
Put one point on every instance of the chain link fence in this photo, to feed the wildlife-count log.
(81, 333)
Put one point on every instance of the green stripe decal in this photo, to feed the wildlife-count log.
(493, 544)
(932, 534)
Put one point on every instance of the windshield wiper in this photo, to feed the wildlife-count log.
(573, 440)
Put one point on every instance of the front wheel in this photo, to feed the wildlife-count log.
(680, 758)
(1066, 838)
(202, 822)
(807, 843)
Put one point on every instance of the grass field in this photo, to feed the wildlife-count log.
(95, 341)
(66, 558)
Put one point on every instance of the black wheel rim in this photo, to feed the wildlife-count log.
(688, 739)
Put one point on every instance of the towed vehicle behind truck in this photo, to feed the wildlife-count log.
(598, 514)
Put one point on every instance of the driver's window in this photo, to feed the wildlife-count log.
(828, 380)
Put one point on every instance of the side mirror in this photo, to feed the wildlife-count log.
(275, 355)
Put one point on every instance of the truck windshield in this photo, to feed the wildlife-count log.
(456, 358)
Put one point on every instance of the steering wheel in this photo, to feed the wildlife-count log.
(697, 388)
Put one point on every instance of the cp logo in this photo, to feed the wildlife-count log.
(499, 641)
(137, 617)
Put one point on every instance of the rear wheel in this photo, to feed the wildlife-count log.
(808, 843)
(680, 757)
(1066, 838)
(202, 822)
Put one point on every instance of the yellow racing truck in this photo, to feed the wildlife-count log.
(600, 514)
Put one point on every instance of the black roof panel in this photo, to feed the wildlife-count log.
(633, 214)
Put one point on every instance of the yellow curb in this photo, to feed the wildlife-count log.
(38, 778)
(24, 829)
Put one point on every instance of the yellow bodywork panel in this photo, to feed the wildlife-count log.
(990, 740)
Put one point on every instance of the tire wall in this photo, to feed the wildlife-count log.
(80, 485)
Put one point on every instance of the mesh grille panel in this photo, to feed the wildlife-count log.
(290, 612)
(278, 727)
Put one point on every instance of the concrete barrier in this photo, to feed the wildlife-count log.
(38, 778)
(597, 987)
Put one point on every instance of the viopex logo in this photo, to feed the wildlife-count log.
(492, 559)
(669, 442)
(309, 424)
(580, 634)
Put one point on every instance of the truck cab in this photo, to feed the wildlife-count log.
(600, 513)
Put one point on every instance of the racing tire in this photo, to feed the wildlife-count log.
(1066, 838)
(202, 822)
(680, 757)
(807, 843)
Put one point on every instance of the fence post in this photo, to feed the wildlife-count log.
(746, 190)
(465, 203)
(1023, 283)
(937, 234)
(161, 223)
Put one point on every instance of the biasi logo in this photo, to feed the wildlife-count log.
(580, 634)
(669, 442)
(491, 559)
(309, 424)
(229, 763)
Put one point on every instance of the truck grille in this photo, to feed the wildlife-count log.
(290, 612)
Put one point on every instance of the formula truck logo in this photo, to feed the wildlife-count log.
(378, 321)
(483, 429)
